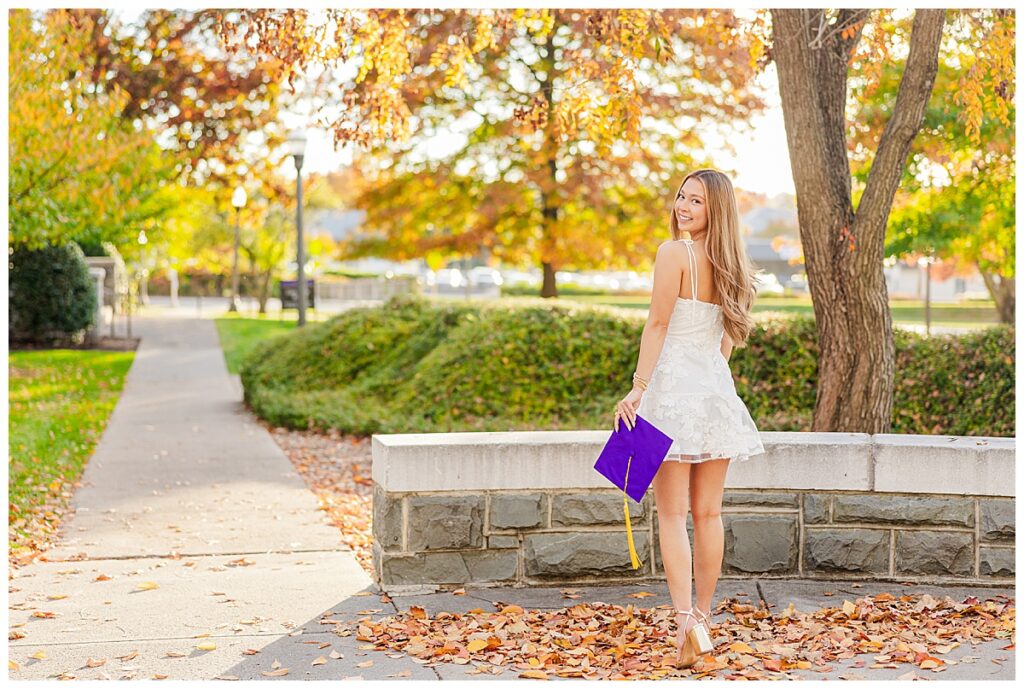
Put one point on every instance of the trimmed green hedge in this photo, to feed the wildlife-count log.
(51, 298)
(956, 384)
(415, 366)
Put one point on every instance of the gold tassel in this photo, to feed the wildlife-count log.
(634, 559)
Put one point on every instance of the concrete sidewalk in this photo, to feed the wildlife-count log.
(188, 493)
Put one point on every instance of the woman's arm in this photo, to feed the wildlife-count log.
(668, 274)
(726, 346)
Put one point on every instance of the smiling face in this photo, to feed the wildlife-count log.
(691, 207)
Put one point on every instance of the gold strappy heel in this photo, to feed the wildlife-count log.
(704, 617)
(695, 644)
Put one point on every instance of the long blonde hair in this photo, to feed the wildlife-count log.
(733, 272)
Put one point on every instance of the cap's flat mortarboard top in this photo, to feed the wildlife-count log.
(630, 460)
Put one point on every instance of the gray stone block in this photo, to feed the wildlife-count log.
(502, 541)
(450, 567)
(760, 499)
(591, 509)
(997, 519)
(903, 509)
(424, 568)
(387, 519)
(579, 554)
(443, 521)
(516, 511)
(816, 508)
(502, 565)
(760, 543)
(934, 552)
(997, 562)
(846, 550)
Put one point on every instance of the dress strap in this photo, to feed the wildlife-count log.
(693, 270)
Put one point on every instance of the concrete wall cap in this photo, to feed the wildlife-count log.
(561, 460)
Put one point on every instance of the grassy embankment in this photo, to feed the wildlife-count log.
(419, 366)
(239, 334)
(60, 401)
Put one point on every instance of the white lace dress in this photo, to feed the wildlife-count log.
(691, 395)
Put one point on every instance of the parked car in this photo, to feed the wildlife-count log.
(447, 277)
(638, 283)
(485, 277)
(768, 283)
(519, 277)
(797, 283)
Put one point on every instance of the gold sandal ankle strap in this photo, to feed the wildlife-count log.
(687, 612)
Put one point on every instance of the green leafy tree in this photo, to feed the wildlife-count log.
(956, 195)
(815, 52)
(76, 168)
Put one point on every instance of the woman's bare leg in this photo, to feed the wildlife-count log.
(672, 496)
(707, 483)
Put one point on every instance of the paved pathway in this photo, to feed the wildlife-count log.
(185, 490)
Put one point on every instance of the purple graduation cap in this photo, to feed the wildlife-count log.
(645, 444)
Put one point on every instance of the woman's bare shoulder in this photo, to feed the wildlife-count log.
(673, 247)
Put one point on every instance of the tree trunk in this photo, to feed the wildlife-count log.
(548, 288)
(265, 291)
(1004, 293)
(843, 250)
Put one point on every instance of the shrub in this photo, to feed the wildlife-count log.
(955, 384)
(51, 296)
(412, 365)
(94, 247)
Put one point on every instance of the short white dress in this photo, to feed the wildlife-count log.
(691, 396)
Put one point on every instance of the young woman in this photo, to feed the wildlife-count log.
(700, 308)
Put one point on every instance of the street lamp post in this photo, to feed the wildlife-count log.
(238, 200)
(926, 263)
(143, 241)
(297, 149)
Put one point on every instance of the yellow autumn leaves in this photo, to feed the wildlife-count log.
(74, 163)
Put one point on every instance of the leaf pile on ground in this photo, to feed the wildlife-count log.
(35, 528)
(336, 468)
(606, 641)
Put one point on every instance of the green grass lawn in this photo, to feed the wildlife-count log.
(60, 400)
(239, 334)
(967, 315)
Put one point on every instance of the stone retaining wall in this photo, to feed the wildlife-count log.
(528, 508)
